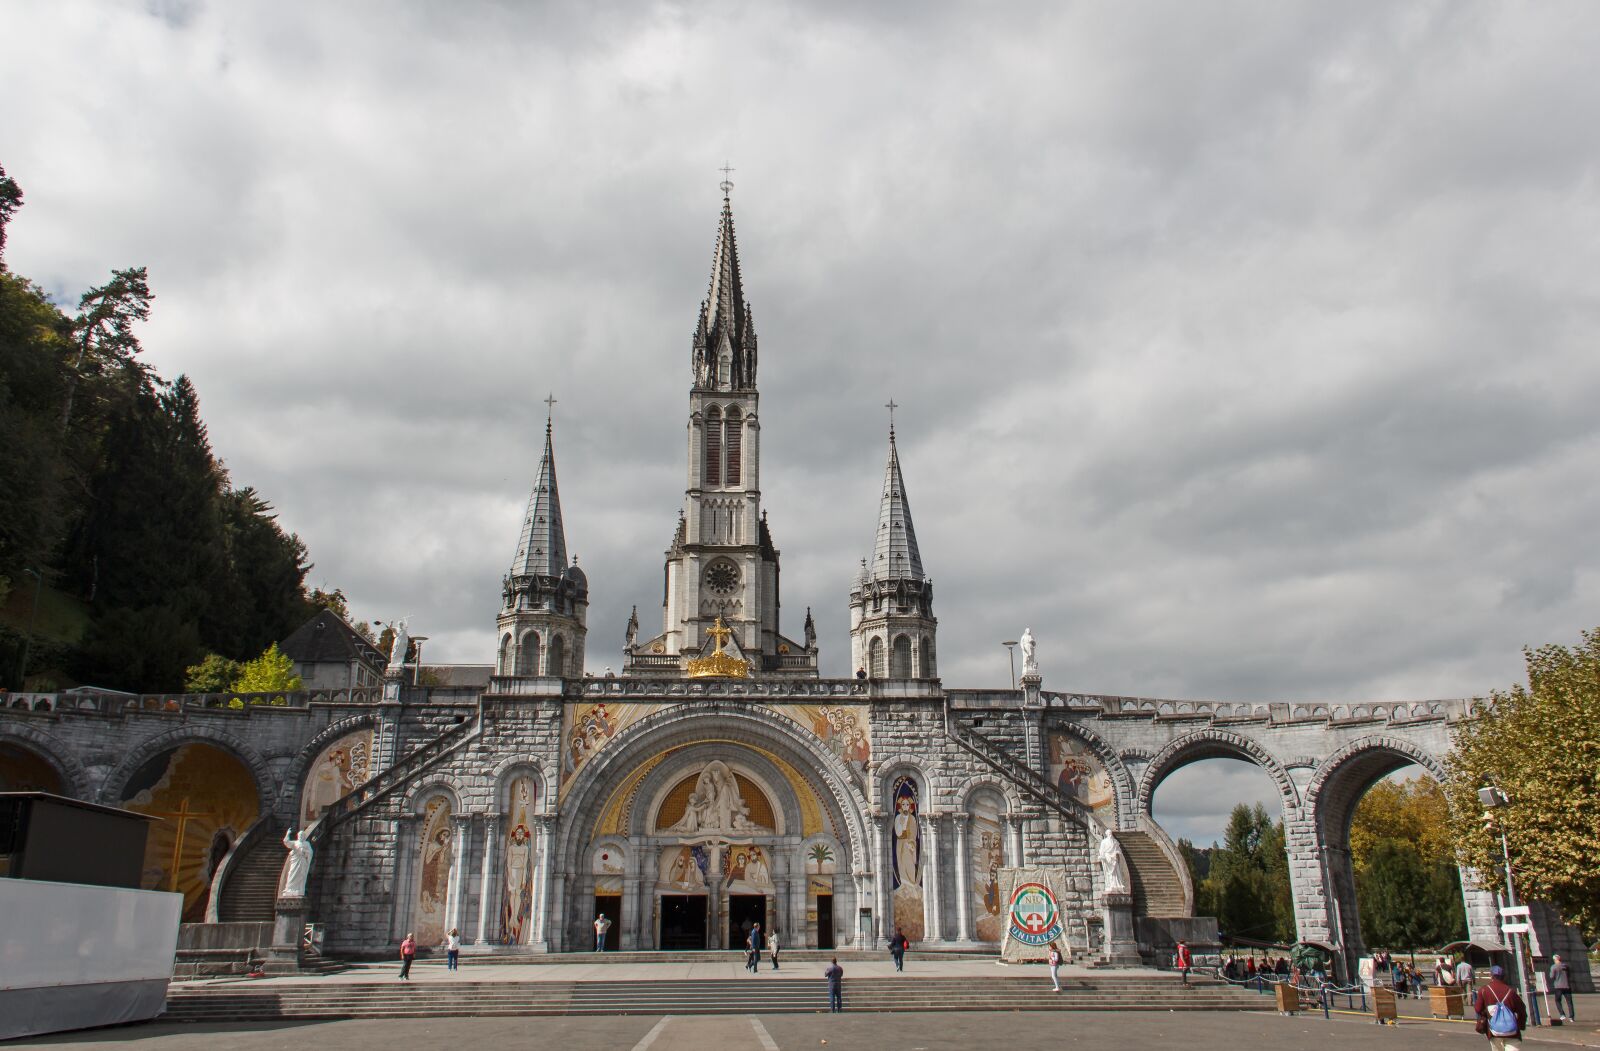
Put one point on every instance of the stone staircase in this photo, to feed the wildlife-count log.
(393, 778)
(1157, 889)
(251, 884)
(766, 994)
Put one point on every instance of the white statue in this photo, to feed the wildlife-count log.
(298, 868)
(402, 642)
(1030, 663)
(1113, 865)
(715, 804)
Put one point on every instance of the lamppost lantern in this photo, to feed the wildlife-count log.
(1011, 652)
(1492, 798)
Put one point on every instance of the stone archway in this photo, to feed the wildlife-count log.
(33, 761)
(614, 792)
(1334, 792)
(1212, 743)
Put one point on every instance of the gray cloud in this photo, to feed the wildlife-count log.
(1245, 352)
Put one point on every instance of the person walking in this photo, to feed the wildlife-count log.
(1560, 983)
(601, 926)
(752, 945)
(1464, 976)
(1184, 961)
(452, 950)
(897, 948)
(772, 948)
(1054, 959)
(1501, 1012)
(835, 976)
(408, 952)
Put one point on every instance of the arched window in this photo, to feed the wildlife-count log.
(724, 370)
(558, 656)
(875, 658)
(528, 654)
(928, 668)
(505, 652)
(732, 442)
(900, 658)
(713, 457)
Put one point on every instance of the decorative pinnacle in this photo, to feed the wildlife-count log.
(891, 406)
(726, 185)
(549, 411)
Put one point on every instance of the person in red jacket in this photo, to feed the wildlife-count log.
(1501, 1012)
(1184, 962)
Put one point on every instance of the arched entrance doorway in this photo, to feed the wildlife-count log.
(205, 798)
(690, 827)
(24, 770)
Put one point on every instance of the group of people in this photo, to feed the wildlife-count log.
(1247, 970)
(452, 952)
(753, 944)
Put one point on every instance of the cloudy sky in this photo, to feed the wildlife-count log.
(1245, 350)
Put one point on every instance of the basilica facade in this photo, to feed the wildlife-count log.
(718, 781)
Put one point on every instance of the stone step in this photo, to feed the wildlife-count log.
(252, 884)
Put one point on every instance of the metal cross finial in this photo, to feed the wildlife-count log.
(549, 411)
(726, 184)
(891, 406)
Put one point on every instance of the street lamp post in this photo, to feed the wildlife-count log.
(1493, 799)
(1011, 652)
(416, 676)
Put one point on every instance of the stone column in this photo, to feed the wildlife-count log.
(932, 907)
(405, 868)
(488, 881)
(1014, 840)
(455, 895)
(963, 879)
(539, 927)
(630, 922)
(882, 843)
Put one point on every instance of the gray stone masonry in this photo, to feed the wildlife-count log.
(1321, 757)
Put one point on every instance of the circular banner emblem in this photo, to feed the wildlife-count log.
(1035, 917)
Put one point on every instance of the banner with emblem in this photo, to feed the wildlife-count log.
(1033, 918)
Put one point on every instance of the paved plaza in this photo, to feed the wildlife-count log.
(1016, 1031)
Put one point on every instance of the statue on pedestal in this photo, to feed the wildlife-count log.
(298, 869)
(402, 642)
(1113, 865)
(1030, 662)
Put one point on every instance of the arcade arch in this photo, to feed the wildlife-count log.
(31, 768)
(205, 797)
(1334, 795)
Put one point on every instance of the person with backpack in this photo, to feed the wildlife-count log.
(1501, 1012)
(1054, 960)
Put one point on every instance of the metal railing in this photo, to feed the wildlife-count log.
(1023, 775)
(392, 778)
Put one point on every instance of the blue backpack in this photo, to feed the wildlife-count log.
(1502, 1020)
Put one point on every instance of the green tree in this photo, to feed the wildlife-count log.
(10, 201)
(1247, 886)
(1540, 744)
(215, 674)
(272, 672)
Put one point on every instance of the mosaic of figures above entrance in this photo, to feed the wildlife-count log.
(587, 729)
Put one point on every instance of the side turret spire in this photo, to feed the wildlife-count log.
(542, 546)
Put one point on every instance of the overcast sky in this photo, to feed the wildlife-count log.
(1245, 350)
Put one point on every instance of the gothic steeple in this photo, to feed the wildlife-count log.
(544, 599)
(895, 555)
(892, 626)
(725, 338)
(542, 547)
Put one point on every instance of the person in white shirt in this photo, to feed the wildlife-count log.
(1464, 976)
(452, 950)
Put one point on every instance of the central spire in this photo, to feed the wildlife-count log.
(725, 338)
